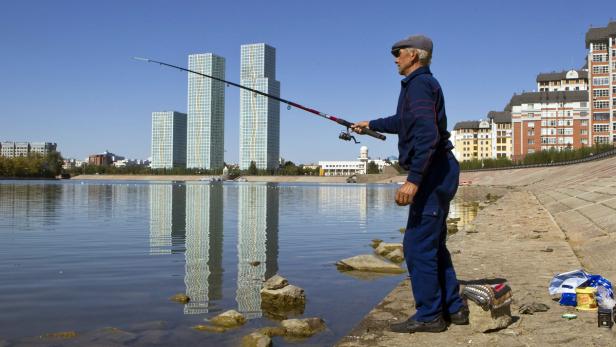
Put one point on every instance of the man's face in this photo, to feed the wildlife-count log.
(404, 60)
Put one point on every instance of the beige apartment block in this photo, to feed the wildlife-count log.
(472, 140)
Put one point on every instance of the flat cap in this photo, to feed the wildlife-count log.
(414, 41)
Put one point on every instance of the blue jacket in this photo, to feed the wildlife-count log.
(420, 122)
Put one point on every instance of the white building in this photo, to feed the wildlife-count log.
(23, 149)
(350, 167)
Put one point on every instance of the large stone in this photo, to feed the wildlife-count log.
(369, 263)
(271, 331)
(275, 282)
(490, 320)
(396, 256)
(385, 248)
(181, 298)
(303, 327)
(228, 319)
(289, 296)
(256, 340)
(210, 328)
(375, 243)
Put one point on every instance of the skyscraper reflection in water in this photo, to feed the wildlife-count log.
(257, 242)
(337, 201)
(167, 218)
(204, 242)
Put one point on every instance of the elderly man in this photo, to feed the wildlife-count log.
(432, 181)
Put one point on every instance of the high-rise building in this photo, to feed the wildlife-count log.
(168, 140)
(601, 45)
(259, 115)
(206, 112)
(549, 120)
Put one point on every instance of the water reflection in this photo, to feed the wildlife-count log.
(27, 207)
(257, 242)
(204, 241)
(334, 200)
(462, 212)
(167, 218)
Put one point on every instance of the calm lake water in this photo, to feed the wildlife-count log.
(80, 256)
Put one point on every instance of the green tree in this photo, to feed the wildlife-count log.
(252, 169)
(372, 168)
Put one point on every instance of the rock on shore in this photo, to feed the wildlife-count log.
(369, 263)
(279, 298)
(256, 340)
(229, 319)
(303, 327)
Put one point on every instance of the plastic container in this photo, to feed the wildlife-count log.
(586, 298)
(605, 317)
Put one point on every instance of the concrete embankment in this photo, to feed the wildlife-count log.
(551, 220)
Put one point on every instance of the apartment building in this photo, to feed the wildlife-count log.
(549, 120)
(563, 81)
(501, 134)
(472, 140)
(601, 45)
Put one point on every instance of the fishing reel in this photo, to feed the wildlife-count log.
(346, 136)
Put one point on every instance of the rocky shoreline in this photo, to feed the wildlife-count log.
(547, 222)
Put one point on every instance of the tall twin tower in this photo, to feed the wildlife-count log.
(196, 141)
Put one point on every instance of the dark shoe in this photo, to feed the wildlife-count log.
(460, 317)
(412, 326)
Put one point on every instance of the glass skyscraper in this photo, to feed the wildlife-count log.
(168, 140)
(206, 112)
(259, 115)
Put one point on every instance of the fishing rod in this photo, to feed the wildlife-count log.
(345, 135)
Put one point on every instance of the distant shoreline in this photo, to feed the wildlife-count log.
(28, 178)
(310, 179)
(273, 179)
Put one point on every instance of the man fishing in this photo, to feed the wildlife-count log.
(432, 181)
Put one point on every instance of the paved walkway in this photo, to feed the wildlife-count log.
(552, 220)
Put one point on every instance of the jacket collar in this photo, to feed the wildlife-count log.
(420, 71)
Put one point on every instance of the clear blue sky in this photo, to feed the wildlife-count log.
(66, 73)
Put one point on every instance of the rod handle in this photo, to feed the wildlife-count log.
(374, 134)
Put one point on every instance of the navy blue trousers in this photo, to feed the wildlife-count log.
(433, 278)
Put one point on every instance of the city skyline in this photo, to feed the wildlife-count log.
(90, 96)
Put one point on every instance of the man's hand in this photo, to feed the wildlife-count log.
(360, 126)
(406, 193)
